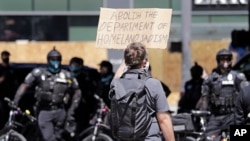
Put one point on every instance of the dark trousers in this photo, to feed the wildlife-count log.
(218, 123)
(4, 113)
(51, 124)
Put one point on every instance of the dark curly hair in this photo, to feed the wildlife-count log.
(77, 60)
(134, 55)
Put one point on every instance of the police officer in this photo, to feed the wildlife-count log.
(87, 84)
(243, 106)
(103, 86)
(52, 84)
(219, 93)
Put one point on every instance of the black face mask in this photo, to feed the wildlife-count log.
(6, 60)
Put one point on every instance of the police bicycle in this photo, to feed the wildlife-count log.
(190, 126)
(100, 130)
(11, 131)
(199, 120)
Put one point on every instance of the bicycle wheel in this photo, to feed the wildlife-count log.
(12, 135)
(102, 129)
(100, 137)
(31, 132)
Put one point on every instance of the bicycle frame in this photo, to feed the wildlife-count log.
(11, 125)
(197, 134)
(90, 129)
(102, 110)
(99, 122)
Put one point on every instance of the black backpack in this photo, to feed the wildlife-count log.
(130, 116)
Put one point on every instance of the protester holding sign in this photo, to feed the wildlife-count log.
(136, 29)
(156, 113)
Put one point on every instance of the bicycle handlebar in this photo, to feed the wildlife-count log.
(102, 105)
(13, 106)
(200, 113)
(97, 97)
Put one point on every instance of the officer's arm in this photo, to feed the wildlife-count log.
(203, 101)
(241, 81)
(166, 125)
(75, 100)
(2, 78)
(76, 97)
(28, 81)
(20, 92)
(2, 75)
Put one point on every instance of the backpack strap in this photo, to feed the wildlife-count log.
(138, 77)
(141, 75)
(129, 100)
(126, 96)
(132, 95)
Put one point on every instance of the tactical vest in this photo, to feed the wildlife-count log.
(223, 97)
(52, 88)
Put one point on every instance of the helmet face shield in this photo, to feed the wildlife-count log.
(224, 59)
(54, 58)
(225, 62)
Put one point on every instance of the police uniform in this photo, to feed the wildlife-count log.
(51, 90)
(221, 91)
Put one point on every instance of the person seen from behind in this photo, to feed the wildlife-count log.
(136, 62)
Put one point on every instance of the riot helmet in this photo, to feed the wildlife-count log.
(54, 59)
(224, 59)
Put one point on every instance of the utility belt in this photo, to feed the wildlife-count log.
(49, 101)
(222, 110)
(50, 106)
(50, 97)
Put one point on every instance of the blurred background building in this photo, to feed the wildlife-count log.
(74, 24)
(68, 20)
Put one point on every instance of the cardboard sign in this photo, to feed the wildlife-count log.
(119, 27)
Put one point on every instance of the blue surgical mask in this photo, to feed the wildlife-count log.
(54, 66)
(75, 70)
